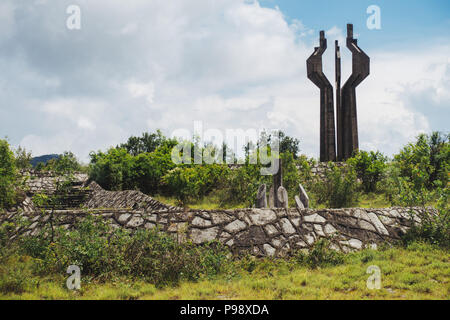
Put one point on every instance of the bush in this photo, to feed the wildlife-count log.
(241, 186)
(119, 170)
(320, 256)
(104, 252)
(193, 183)
(23, 158)
(14, 278)
(291, 176)
(433, 228)
(339, 189)
(8, 175)
(426, 162)
(369, 168)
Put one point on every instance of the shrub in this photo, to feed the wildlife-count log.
(193, 183)
(369, 168)
(66, 163)
(339, 189)
(14, 279)
(425, 162)
(241, 186)
(8, 175)
(112, 170)
(104, 252)
(320, 255)
(119, 170)
(433, 228)
(291, 176)
(401, 191)
(23, 158)
(145, 144)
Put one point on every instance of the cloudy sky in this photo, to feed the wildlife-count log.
(140, 65)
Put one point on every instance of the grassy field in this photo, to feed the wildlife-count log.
(417, 272)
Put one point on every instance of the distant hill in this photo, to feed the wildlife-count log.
(34, 161)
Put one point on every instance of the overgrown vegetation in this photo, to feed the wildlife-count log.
(8, 176)
(104, 253)
(417, 176)
(339, 189)
(418, 271)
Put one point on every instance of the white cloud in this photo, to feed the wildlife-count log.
(146, 90)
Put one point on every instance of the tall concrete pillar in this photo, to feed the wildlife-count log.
(348, 140)
(327, 126)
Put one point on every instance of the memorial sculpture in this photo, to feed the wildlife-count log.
(347, 121)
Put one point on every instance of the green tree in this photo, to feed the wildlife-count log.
(23, 158)
(289, 144)
(8, 175)
(66, 163)
(147, 143)
(425, 162)
(369, 168)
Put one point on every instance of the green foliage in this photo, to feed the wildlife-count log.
(339, 189)
(145, 144)
(289, 144)
(6, 232)
(104, 252)
(291, 175)
(23, 159)
(320, 256)
(64, 164)
(14, 276)
(119, 170)
(369, 168)
(193, 183)
(8, 175)
(241, 185)
(112, 170)
(433, 228)
(425, 162)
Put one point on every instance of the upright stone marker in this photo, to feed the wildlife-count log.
(277, 183)
(261, 199)
(271, 198)
(282, 196)
(299, 203)
(303, 196)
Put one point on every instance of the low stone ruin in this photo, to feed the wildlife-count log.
(257, 231)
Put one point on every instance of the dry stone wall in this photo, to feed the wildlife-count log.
(259, 232)
(100, 198)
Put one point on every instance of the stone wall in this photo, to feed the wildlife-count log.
(319, 169)
(131, 199)
(260, 232)
(38, 182)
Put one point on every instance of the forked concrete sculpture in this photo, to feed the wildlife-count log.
(327, 128)
(347, 122)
